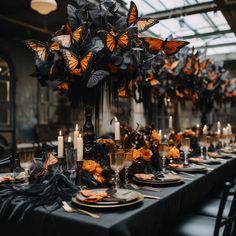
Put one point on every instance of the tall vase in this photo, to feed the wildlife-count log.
(88, 133)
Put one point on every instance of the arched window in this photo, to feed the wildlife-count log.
(6, 104)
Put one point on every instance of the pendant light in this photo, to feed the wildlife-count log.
(43, 7)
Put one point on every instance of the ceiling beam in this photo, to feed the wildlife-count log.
(216, 45)
(188, 10)
(206, 35)
(224, 57)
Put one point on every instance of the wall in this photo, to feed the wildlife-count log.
(26, 88)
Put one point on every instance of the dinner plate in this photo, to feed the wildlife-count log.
(139, 199)
(119, 197)
(190, 168)
(168, 179)
(19, 180)
(210, 161)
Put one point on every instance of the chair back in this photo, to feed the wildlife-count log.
(229, 222)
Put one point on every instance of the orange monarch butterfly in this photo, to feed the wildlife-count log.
(63, 87)
(40, 49)
(150, 78)
(65, 29)
(75, 66)
(113, 41)
(154, 45)
(142, 23)
(65, 40)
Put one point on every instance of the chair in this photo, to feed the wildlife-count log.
(202, 225)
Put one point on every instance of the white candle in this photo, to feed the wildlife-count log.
(80, 148)
(69, 139)
(76, 134)
(224, 131)
(197, 129)
(160, 134)
(218, 125)
(60, 145)
(204, 131)
(229, 128)
(218, 132)
(170, 122)
(117, 129)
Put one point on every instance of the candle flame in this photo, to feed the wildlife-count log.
(60, 133)
(69, 139)
(197, 125)
(80, 135)
(76, 127)
(115, 119)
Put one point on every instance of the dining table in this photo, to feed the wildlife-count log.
(148, 217)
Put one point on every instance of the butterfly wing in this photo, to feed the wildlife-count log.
(123, 40)
(173, 46)
(63, 40)
(110, 41)
(145, 23)
(39, 48)
(54, 47)
(96, 77)
(63, 87)
(153, 45)
(84, 63)
(133, 14)
(78, 33)
(70, 59)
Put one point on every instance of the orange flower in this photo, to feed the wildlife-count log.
(89, 165)
(134, 153)
(173, 153)
(147, 143)
(178, 137)
(108, 141)
(189, 133)
(155, 136)
(146, 153)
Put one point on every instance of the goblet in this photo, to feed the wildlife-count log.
(185, 143)
(117, 163)
(215, 140)
(26, 160)
(202, 143)
(207, 145)
(127, 163)
(163, 149)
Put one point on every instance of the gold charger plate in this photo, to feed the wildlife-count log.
(169, 179)
(193, 168)
(139, 198)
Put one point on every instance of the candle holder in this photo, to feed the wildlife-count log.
(79, 174)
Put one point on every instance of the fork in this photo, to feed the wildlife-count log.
(70, 209)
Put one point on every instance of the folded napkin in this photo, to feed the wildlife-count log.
(172, 165)
(196, 159)
(92, 195)
(6, 178)
(145, 176)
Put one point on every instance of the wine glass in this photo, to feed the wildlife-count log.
(127, 163)
(207, 145)
(215, 141)
(185, 143)
(202, 143)
(117, 163)
(26, 160)
(163, 149)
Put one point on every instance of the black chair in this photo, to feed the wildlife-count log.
(201, 225)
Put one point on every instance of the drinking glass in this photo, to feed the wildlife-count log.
(202, 143)
(163, 149)
(215, 141)
(185, 143)
(117, 163)
(71, 155)
(26, 160)
(207, 145)
(127, 163)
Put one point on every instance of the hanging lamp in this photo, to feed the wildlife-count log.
(43, 7)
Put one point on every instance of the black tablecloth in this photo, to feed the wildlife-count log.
(146, 218)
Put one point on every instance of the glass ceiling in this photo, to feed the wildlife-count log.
(193, 28)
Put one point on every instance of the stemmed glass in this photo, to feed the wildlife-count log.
(26, 160)
(215, 141)
(185, 143)
(163, 149)
(127, 163)
(117, 163)
(202, 143)
(207, 145)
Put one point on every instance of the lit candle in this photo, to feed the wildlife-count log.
(197, 129)
(229, 128)
(80, 148)
(218, 125)
(218, 132)
(160, 134)
(170, 122)
(69, 139)
(60, 145)
(117, 129)
(224, 131)
(76, 134)
(204, 131)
